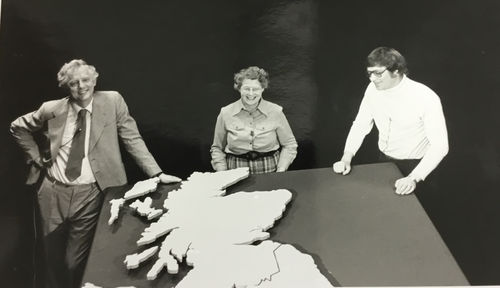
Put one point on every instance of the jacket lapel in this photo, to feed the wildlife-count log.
(56, 126)
(98, 121)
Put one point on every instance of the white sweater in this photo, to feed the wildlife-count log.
(410, 121)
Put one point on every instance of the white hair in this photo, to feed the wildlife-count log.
(67, 70)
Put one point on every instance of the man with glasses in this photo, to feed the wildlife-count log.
(408, 116)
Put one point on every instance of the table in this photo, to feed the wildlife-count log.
(359, 232)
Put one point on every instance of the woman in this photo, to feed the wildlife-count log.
(252, 132)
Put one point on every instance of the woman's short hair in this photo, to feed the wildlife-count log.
(388, 57)
(252, 72)
(67, 70)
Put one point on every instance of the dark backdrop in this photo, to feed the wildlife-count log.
(173, 61)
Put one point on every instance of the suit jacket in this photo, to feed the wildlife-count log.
(110, 121)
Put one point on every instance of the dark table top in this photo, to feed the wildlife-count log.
(359, 232)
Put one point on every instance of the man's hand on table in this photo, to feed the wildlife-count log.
(405, 185)
(166, 179)
(344, 165)
(341, 167)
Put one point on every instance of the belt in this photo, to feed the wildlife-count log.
(59, 183)
(253, 155)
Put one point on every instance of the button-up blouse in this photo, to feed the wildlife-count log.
(239, 131)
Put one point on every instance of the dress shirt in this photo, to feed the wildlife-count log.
(410, 122)
(239, 131)
(58, 168)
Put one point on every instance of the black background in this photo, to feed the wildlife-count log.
(173, 61)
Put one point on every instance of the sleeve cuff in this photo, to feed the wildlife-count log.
(157, 174)
(415, 178)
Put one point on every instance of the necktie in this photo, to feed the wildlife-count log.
(77, 150)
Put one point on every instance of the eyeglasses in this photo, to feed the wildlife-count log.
(251, 89)
(377, 73)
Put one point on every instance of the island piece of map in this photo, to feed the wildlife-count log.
(142, 188)
(116, 204)
(135, 259)
(139, 189)
(144, 208)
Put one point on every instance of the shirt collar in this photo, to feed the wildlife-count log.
(400, 84)
(263, 106)
(77, 107)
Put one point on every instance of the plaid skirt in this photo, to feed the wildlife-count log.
(258, 166)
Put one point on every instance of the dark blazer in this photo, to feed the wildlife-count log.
(110, 121)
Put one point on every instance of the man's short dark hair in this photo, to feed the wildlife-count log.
(388, 57)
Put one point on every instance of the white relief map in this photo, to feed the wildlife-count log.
(216, 235)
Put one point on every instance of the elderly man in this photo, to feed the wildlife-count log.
(408, 116)
(79, 157)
